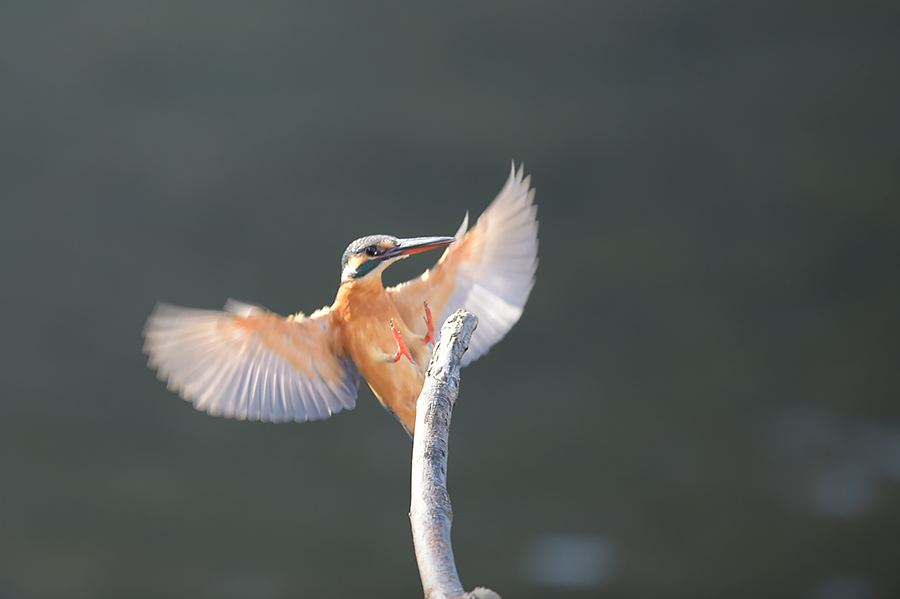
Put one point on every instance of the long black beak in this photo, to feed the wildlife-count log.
(414, 245)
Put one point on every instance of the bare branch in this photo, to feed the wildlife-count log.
(430, 511)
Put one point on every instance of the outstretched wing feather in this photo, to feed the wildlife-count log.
(489, 270)
(248, 363)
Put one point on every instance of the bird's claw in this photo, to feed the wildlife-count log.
(429, 322)
(401, 345)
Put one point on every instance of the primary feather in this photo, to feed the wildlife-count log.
(250, 364)
(489, 270)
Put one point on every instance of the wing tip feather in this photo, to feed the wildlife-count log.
(234, 372)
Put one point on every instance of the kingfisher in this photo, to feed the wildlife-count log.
(248, 363)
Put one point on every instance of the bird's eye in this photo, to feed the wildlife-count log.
(373, 250)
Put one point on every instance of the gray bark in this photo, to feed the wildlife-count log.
(430, 511)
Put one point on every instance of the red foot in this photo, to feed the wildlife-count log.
(401, 345)
(429, 322)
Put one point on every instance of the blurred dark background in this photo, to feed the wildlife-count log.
(702, 398)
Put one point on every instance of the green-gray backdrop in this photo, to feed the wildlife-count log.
(702, 398)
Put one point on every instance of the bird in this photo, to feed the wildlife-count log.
(248, 363)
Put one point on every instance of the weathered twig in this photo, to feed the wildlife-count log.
(430, 511)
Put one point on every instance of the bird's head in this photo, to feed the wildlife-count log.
(370, 255)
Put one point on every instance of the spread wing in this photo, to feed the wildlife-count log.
(489, 270)
(248, 363)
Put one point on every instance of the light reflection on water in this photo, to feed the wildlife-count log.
(843, 586)
(833, 466)
(571, 561)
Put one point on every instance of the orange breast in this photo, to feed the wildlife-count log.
(366, 311)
